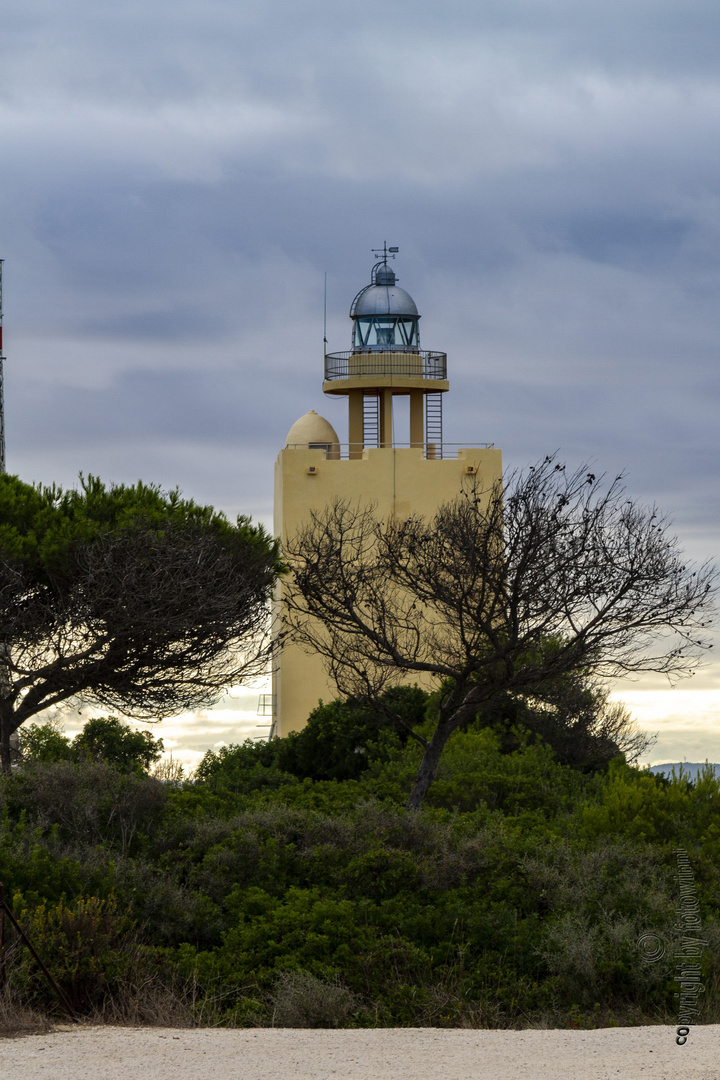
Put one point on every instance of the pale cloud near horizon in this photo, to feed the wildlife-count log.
(685, 722)
(186, 737)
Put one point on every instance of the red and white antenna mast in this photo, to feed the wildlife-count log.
(2, 388)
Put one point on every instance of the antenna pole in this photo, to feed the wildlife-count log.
(325, 317)
(2, 388)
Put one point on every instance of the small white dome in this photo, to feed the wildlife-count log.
(312, 430)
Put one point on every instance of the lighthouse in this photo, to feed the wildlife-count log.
(398, 472)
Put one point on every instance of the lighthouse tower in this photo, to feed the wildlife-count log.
(399, 473)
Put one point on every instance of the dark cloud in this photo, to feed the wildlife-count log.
(178, 177)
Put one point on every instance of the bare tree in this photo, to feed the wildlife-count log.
(502, 590)
(128, 597)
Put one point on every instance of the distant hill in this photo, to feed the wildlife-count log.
(690, 768)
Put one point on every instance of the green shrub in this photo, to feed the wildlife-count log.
(45, 742)
(244, 769)
(302, 1001)
(86, 803)
(86, 945)
(107, 741)
(341, 739)
(517, 896)
(103, 740)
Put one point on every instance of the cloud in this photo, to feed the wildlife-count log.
(188, 736)
(686, 723)
(178, 177)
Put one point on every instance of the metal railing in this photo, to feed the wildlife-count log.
(384, 363)
(433, 451)
(266, 705)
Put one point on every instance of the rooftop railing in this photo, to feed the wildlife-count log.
(384, 363)
(431, 451)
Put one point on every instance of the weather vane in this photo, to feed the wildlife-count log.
(384, 253)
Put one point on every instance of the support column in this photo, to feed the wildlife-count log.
(355, 423)
(386, 416)
(417, 422)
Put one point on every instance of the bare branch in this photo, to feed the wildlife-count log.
(500, 591)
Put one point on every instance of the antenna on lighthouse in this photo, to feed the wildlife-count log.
(2, 389)
(325, 318)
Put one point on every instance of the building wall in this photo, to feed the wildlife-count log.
(400, 482)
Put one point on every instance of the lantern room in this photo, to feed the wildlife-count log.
(386, 363)
(384, 315)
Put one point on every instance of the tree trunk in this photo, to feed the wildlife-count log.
(429, 764)
(5, 733)
(6, 711)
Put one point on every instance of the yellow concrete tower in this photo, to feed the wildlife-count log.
(399, 478)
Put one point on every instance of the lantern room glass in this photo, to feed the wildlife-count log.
(386, 332)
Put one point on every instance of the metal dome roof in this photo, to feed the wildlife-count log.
(383, 300)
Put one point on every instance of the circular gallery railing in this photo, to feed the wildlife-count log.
(417, 365)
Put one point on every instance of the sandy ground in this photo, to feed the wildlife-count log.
(104, 1053)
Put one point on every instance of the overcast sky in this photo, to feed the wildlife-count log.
(176, 178)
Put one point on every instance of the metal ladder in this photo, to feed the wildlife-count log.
(433, 425)
(371, 419)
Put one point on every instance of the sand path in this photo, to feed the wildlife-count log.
(103, 1053)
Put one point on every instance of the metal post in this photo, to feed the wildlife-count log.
(386, 412)
(26, 940)
(3, 969)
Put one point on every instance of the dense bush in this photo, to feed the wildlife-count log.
(103, 740)
(274, 890)
(339, 742)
